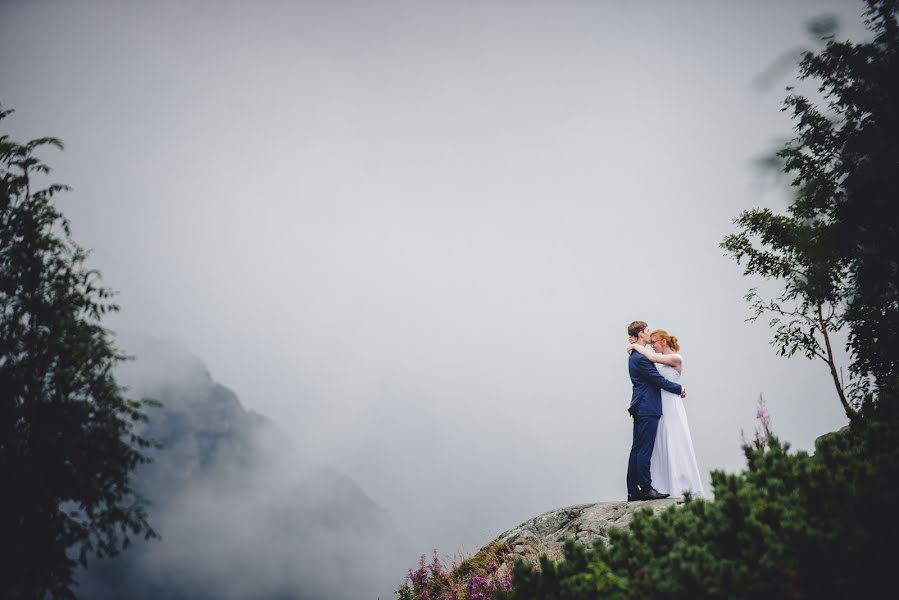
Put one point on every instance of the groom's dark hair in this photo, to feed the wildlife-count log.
(636, 327)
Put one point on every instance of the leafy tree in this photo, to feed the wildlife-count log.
(835, 250)
(68, 437)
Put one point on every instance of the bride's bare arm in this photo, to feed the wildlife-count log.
(672, 360)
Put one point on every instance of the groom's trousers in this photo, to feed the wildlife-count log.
(638, 478)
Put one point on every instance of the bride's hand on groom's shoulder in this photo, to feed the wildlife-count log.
(631, 344)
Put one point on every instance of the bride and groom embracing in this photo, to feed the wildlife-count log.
(662, 450)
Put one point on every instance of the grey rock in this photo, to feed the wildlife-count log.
(842, 431)
(546, 533)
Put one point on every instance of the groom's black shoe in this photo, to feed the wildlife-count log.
(653, 494)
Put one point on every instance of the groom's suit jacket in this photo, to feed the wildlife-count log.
(646, 400)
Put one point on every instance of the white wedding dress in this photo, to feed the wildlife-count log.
(673, 466)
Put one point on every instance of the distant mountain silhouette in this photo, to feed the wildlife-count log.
(240, 515)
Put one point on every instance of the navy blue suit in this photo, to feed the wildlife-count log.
(645, 408)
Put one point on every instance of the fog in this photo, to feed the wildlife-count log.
(412, 234)
(239, 513)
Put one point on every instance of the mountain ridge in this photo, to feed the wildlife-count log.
(240, 514)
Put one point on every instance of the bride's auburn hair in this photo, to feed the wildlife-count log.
(670, 339)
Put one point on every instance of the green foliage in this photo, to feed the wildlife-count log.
(68, 441)
(791, 525)
(580, 575)
(835, 250)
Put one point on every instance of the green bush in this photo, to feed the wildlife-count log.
(791, 525)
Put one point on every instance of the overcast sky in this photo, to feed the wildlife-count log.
(413, 233)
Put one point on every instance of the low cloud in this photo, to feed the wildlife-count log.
(240, 514)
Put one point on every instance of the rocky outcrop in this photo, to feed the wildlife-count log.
(844, 430)
(584, 523)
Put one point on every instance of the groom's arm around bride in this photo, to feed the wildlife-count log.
(647, 382)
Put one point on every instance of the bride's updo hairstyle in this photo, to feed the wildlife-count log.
(670, 339)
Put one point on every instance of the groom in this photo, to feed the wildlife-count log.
(646, 409)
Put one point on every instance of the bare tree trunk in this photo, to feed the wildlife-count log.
(850, 412)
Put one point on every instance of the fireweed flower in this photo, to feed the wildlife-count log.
(435, 567)
(479, 588)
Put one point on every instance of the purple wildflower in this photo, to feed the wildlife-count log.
(479, 588)
(506, 583)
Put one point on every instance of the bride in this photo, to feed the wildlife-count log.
(673, 465)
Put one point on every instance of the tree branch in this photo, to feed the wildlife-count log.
(850, 412)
